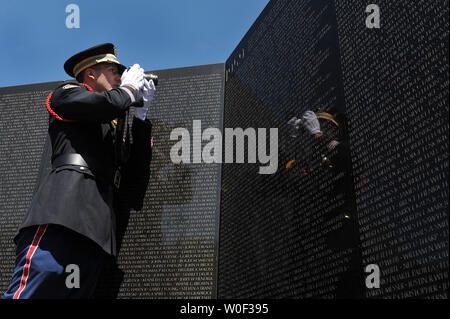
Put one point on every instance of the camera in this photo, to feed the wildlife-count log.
(153, 77)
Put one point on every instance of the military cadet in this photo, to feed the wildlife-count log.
(70, 226)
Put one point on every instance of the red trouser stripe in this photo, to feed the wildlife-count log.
(26, 269)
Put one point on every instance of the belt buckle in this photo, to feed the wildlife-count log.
(117, 177)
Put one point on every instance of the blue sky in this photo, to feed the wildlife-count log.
(157, 34)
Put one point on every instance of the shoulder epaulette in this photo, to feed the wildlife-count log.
(65, 86)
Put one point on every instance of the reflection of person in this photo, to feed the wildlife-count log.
(175, 179)
(310, 122)
(326, 145)
(71, 220)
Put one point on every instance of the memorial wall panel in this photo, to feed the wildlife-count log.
(169, 240)
(292, 234)
(168, 213)
(396, 91)
(310, 232)
(23, 133)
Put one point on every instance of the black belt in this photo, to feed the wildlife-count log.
(82, 161)
(70, 159)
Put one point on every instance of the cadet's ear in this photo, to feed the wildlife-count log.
(90, 74)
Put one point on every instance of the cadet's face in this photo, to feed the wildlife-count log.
(108, 77)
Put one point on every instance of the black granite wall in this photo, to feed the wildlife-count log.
(168, 215)
(23, 131)
(373, 189)
(396, 93)
(294, 233)
(380, 196)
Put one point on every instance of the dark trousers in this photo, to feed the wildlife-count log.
(53, 262)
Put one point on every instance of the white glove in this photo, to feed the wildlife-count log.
(133, 76)
(310, 122)
(148, 92)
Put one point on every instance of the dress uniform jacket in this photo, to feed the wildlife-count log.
(76, 197)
